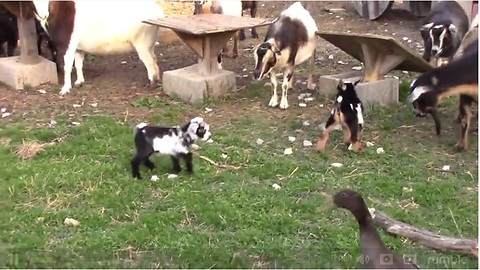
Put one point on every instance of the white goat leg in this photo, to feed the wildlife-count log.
(285, 86)
(274, 100)
(148, 59)
(68, 64)
(79, 56)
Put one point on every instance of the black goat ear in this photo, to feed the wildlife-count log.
(357, 82)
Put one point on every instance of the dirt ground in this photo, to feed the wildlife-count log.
(113, 81)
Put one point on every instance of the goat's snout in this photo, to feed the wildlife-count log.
(419, 113)
(256, 74)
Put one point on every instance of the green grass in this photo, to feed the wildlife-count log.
(228, 218)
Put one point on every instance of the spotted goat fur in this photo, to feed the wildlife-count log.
(173, 141)
(347, 111)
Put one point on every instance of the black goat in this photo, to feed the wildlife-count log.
(174, 141)
(459, 77)
(348, 112)
(443, 30)
(9, 34)
(252, 6)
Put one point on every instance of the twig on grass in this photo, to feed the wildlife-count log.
(126, 116)
(224, 166)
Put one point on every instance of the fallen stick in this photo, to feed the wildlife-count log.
(225, 166)
(424, 237)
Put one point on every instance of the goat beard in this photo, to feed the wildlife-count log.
(438, 125)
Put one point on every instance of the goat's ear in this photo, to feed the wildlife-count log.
(426, 26)
(357, 82)
(452, 28)
(416, 93)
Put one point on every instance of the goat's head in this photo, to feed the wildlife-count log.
(197, 128)
(265, 56)
(346, 88)
(424, 99)
(440, 35)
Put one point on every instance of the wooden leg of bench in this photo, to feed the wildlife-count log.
(378, 64)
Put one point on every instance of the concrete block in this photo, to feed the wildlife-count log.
(188, 85)
(18, 75)
(382, 92)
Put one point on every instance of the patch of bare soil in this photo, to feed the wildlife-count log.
(113, 82)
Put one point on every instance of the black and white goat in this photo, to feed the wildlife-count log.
(348, 112)
(9, 35)
(443, 31)
(290, 40)
(225, 7)
(252, 6)
(174, 141)
(459, 77)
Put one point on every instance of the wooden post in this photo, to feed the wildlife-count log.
(28, 40)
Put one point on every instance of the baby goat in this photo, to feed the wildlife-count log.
(290, 40)
(348, 112)
(459, 77)
(174, 141)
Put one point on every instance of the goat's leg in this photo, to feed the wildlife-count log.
(326, 133)
(274, 100)
(235, 45)
(11, 46)
(356, 144)
(241, 33)
(149, 164)
(68, 59)
(465, 116)
(427, 53)
(188, 162)
(176, 164)
(311, 65)
(286, 84)
(347, 135)
(146, 53)
(79, 57)
(142, 156)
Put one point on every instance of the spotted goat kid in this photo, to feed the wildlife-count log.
(173, 141)
(348, 112)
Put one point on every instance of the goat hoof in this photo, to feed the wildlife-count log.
(78, 84)
(320, 147)
(460, 148)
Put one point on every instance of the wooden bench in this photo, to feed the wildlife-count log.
(206, 35)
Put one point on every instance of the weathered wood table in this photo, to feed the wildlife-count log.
(206, 35)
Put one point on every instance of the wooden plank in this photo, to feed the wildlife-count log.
(207, 23)
(372, 9)
(382, 45)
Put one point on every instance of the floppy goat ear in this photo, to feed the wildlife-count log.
(426, 26)
(357, 82)
(416, 93)
(452, 28)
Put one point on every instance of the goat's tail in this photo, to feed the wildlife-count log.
(139, 126)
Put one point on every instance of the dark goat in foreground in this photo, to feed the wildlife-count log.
(174, 141)
(459, 77)
(348, 112)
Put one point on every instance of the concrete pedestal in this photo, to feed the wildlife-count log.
(382, 92)
(188, 85)
(18, 75)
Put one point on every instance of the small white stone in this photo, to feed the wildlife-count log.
(288, 151)
(357, 68)
(123, 62)
(6, 114)
(244, 69)
(306, 123)
(53, 122)
(405, 38)
(321, 105)
(446, 168)
(291, 138)
(301, 96)
(195, 146)
(94, 105)
(404, 72)
(208, 110)
(276, 186)
(350, 147)
(309, 99)
(406, 189)
(41, 91)
(337, 165)
(171, 176)
(330, 56)
(245, 76)
(3, 110)
(210, 141)
(307, 143)
(259, 141)
(154, 178)
(224, 156)
(77, 105)
(303, 105)
(71, 222)
(380, 150)
(393, 34)
(341, 62)
(409, 41)
(76, 123)
(370, 144)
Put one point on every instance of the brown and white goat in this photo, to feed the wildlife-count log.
(459, 77)
(348, 112)
(252, 6)
(225, 7)
(100, 27)
(290, 41)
